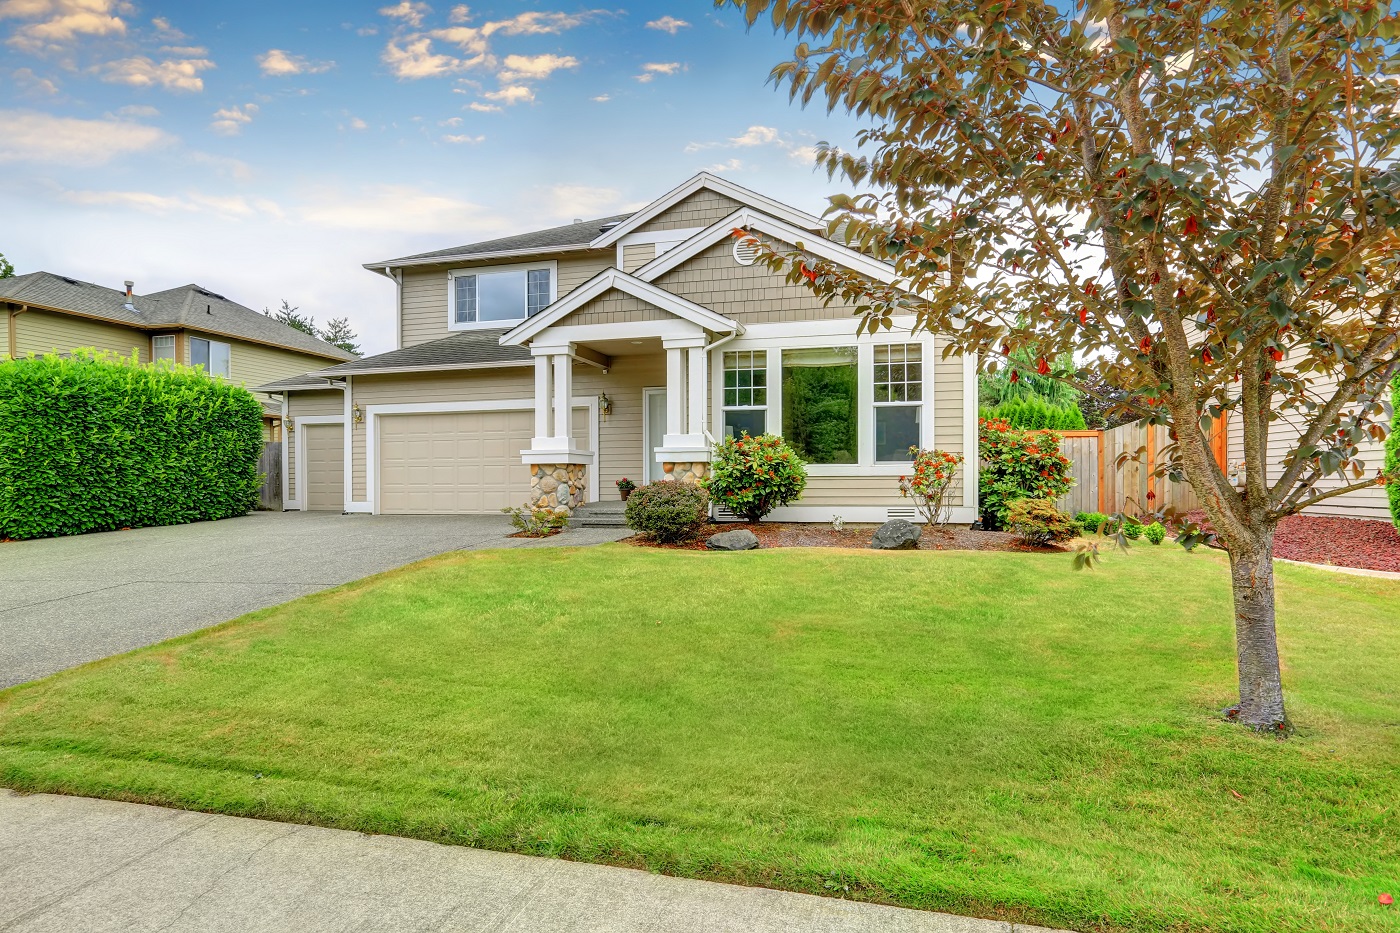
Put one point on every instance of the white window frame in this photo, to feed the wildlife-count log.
(767, 390)
(809, 334)
(454, 325)
(924, 386)
(212, 343)
(174, 347)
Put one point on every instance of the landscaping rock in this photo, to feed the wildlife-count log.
(741, 539)
(896, 535)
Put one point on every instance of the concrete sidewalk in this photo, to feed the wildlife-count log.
(79, 865)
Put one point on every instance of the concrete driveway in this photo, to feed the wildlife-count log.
(66, 601)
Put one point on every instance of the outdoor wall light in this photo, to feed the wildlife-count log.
(604, 404)
(357, 414)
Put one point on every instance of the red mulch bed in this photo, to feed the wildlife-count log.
(1367, 544)
(781, 534)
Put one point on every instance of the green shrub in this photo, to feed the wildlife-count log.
(752, 476)
(1018, 465)
(669, 511)
(1132, 529)
(1155, 533)
(1038, 522)
(1034, 414)
(1090, 521)
(95, 442)
(1392, 452)
(537, 523)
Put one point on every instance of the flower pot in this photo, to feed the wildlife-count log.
(625, 493)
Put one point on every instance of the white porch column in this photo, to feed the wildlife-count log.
(563, 401)
(675, 394)
(696, 371)
(543, 401)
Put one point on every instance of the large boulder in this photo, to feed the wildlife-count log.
(740, 539)
(896, 535)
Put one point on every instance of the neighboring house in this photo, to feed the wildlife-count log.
(47, 313)
(623, 347)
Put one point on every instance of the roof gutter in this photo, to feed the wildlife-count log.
(383, 266)
(14, 329)
(430, 368)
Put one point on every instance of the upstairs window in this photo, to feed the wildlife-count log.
(500, 294)
(211, 354)
(163, 347)
(745, 393)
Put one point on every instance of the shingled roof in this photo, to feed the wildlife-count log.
(189, 306)
(569, 236)
(466, 348)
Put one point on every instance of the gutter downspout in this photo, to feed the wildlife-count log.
(397, 276)
(14, 329)
(714, 346)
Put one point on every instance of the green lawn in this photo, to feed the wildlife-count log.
(988, 734)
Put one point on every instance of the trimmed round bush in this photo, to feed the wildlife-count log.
(94, 442)
(668, 512)
(1090, 521)
(752, 476)
(1155, 533)
(1039, 522)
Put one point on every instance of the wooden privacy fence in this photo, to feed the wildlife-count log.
(270, 466)
(1101, 485)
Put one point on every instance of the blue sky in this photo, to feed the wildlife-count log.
(266, 150)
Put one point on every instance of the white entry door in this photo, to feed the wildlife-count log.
(654, 429)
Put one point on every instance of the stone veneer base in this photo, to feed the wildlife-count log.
(558, 487)
(684, 472)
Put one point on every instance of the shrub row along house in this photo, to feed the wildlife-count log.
(47, 313)
(544, 367)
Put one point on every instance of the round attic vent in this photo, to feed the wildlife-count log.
(746, 251)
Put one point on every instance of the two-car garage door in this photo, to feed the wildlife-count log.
(449, 462)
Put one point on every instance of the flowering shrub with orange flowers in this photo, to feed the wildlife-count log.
(1017, 465)
(752, 476)
(930, 482)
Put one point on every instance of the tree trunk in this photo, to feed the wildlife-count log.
(1256, 643)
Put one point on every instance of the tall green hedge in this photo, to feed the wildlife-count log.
(1034, 414)
(1392, 451)
(94, 443)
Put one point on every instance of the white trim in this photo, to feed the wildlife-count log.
(454, 325)
(716, 184)
(349, 442)
(628, 284)
(752, 220)
(427, 368)
(648, 467)
(301, 422)
(397, 276)
(588, 333)
(286, 449)
(373, 413)
(524, 253)
(659, 236)
(971, 463)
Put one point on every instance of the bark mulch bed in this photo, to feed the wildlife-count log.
(782, 534)
(1363, 543)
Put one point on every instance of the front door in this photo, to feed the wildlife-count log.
(653, 430)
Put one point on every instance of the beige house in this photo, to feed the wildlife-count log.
(544, 367)
(47, 313)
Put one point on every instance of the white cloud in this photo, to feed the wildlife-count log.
(464, 139)
(367, 31)
(47, 139)
(757, 136)
(729, 165)
(651, 69)
(454, 121)
(397, 208)
(233, 207)
(460, 13)
(165, 31)
(175, 74)
(280, 63)
(357, 124)
(229, 121)
(409, 12)
(59, 21)
(26, 78)
(534, 67)
(416, 59)
(601, 98)
(511, 95)
(471, 41)
(578, 201)
(535, 23)
(479, 107)
(668, 24)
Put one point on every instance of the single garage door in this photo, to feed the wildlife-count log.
(325, 467)
(457, 462)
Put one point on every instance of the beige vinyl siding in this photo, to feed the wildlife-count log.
(424, 293)
(636, 255)
(701, 209)
(1283, 435)
(620, 433)
(838, 492)
(748, 294)
(948, 413)
(300, 404)
(615, 307)
(253, 364)
(42, 332)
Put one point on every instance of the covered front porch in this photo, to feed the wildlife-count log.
(590, 330)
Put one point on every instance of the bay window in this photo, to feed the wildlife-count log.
(211, 354)
(745, 393)
(499, 294)
(899, 395)
(821, 411)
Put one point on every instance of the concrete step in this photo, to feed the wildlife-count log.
(600, 515)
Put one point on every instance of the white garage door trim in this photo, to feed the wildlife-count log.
(373, 412)
(300, 454)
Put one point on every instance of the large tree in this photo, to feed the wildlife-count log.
(1196, 200)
